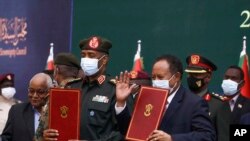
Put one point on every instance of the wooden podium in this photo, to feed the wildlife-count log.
(148, 112)
(64, 113)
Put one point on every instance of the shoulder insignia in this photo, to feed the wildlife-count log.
(207, 97)
(73, 80)
(101, 79)
(218, 96)
(113, 81)
(67, 82)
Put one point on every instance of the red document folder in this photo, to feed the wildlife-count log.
(64, 114)
(148, 112)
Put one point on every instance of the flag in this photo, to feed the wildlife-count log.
(138, 62)
(243, 63)
(50, 60)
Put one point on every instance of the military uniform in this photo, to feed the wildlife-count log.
(97, 111)
(6, 103)
(214, 102)
(200, 65)
(66, 59)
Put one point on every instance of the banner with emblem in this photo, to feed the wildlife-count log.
(148, 112)
(27, 28)
(64, 113)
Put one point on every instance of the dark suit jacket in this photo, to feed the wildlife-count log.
(224, 117)
(186, 118)
(20, 123)
(245, 119)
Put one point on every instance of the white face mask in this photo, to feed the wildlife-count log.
(8, 92)
(90, 65)
(229, 87)
(162, 84)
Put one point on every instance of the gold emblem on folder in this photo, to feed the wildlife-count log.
(148, 110)
(64, 111)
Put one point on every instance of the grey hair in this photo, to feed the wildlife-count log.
(48, 79)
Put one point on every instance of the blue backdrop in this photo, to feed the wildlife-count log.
(27, 27)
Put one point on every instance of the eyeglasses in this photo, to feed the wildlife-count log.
(39, 92)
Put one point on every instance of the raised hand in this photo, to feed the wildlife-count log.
(123, 89)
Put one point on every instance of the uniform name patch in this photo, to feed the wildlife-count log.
(100, 98)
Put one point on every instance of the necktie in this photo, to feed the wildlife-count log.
(231, 103)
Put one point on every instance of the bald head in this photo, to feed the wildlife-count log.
(42, 78)
(39, 90)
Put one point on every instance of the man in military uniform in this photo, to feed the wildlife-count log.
(199, 74)
(66, 73)
(6, 97)
(98, 94)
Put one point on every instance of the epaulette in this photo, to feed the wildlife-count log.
(18, 101)
(218, 96)
(207, 97)
(113, 81)
(101, 79)
(74, 80)
(67, 82)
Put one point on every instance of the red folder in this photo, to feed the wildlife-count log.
(148, 112)
(64, 114)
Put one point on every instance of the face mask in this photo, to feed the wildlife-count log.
(90, 66)
(162, 84)
(194, 83)
(229, 87)
(8, 92)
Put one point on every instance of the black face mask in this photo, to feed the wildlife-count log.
(195, 84)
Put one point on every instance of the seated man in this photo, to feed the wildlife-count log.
(23, 118)
(7, 99)
(186, 117)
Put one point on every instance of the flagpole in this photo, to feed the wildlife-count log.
(139, 46)
(244, 44)
(243, 63)
(50, 60)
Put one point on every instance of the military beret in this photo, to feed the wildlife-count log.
(139, 75)
(199, 64)
(67, 59)
(7, 77)
(96, 43)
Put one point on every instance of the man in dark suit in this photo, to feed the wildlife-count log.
(23, 118)
(186, 117)
(236, 105)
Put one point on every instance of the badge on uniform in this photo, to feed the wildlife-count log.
(239, 106)
(100, 98)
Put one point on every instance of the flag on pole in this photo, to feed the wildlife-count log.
(50, 60)
(243, 63)
(138, 62)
